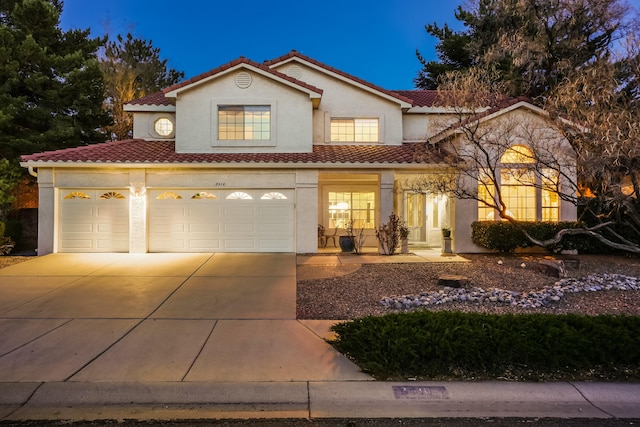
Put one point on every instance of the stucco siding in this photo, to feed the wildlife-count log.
(197, 110)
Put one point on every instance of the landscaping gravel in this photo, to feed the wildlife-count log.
(497, 284)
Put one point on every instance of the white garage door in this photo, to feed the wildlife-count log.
(94, 220)
(212, 220)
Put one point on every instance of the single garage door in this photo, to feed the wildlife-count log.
(212, 220)
(94, 220)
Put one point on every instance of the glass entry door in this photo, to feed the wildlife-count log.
(415, 217)
(425, 216)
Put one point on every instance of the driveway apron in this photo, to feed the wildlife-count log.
(159, 317)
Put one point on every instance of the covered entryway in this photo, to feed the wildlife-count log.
(94, 220)
(213, 220)
(426, 215)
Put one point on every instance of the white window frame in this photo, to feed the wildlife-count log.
(329, 116)
(244, 102)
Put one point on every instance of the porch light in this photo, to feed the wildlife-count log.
(138, 190)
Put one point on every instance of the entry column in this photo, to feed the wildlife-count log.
(137, 212)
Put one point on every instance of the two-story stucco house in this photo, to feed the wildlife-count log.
(252, 157)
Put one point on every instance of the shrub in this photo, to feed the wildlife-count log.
(390, 235)
(432, 345)
(14, 230)
(2, 228)
(506, 237)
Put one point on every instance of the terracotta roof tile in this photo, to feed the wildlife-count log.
(296, 54)
(156, 98)
(423, 98)
(140, 151)
(235, 62)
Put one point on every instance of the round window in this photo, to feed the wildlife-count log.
(163, 126)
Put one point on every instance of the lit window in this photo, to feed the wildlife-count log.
(517, 154)
(519, 188)
(486, 192)
(163, 126)
(77, 195)
(239, 195)
(354, 130)
(111, 195)
(274, 195)
(550, 197)
(169, 195)
(356, 206)
(204, 195)
(244, 122)
(519, 193)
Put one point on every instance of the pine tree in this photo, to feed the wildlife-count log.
(51, 87)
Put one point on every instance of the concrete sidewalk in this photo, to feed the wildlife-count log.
(166, 336)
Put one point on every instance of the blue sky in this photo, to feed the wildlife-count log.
(375, 40)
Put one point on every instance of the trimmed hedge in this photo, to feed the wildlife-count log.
(505, 237)
(436, 345)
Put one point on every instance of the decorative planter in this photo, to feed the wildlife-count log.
(346, 243)
(446, 233)
(404, 246)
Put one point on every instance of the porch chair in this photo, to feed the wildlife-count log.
(322, 240)
(332, 237)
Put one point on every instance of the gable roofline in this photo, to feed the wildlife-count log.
(294, 55)
(487, 114)
(242, 62)
(152, 102)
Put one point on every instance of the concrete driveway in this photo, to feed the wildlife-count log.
(160, 317)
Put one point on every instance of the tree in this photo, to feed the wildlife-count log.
(132, 68)
(533, 44)
(584, 148)
(51, 88)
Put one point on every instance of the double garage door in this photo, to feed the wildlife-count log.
(179, 220)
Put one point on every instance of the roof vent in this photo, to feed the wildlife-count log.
(294, 71)
(243, 80)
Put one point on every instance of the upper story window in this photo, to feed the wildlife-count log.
(163, 126)
(355, 130)
(244, 122)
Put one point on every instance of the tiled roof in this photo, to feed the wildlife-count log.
(138, 151)
(423, 98)
(235, 62)
(295, 54)
(157, 98)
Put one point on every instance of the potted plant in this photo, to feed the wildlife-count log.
(446, 232)
(346, 241)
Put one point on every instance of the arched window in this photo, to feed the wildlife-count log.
(77, 195)
(111, 195)
(239, 195)
(521, 186)
(168, 195)
(204, 195)
(274, 195)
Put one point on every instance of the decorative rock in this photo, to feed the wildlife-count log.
(553, 268)
(453, 281)
(542, 298)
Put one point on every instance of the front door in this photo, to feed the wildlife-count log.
(426, 214)
(415, 217)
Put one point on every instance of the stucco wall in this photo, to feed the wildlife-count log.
(341, 99)
(197, 114)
